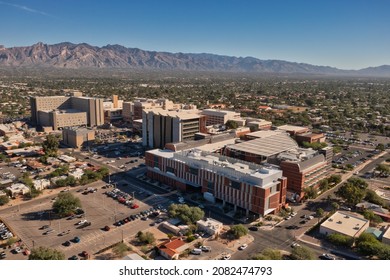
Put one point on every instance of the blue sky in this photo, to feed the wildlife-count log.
(344, 33)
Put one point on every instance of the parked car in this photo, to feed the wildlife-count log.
(76, 239)
(295, 245)
(106, 228)
(327, 257)
(81, 222)
(227, 257)
(74, 257)
(196, 251)
(292, 227)
(205, 248)
(243, 246)
(85, 254)
(253, 228)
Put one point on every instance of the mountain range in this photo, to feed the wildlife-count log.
(84, 56)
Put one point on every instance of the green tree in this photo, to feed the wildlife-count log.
(33, 193)
(50, 145)
(301, 253)
(11, 241)
(147, 237)
(336, 149)
(120, 249)
(371, 196)
(340, 240)
(380, 147)
(383, 169)
(367, 244)
(4, 200)
(66, 204)
(27, 180)
(103, 171)
(310, 192)
(314, 145)
(71, 181)
(60, 183)
(320, 213)
(324, 185)
(334, 179)
(44, 253)
(238, 231)
(189, 215)
(230, 124)
(2, 157)
(369, 215)
(353, 191)
(268, 254)
(359, 182)
(335, 206)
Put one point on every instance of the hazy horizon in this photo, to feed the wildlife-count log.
(347, 35)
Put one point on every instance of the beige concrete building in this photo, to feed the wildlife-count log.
(77, 137)
(219, 117)
(344, 223)
(210, 226)
(160, 127)
(113, 109)
(127, 111)
(65, 111)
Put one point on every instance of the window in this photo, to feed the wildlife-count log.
(194, 171)
(210, 187)
(235, 185)
(155, 159)
(170, 170)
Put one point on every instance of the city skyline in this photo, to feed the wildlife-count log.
(347, 35)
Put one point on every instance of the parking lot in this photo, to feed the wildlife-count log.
(36, 226)
(352, 156)
(124, 157)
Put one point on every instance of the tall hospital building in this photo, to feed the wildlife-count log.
(57, 112)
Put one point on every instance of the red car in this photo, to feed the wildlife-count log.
(107, 228)
(135, 206)
(85, 254)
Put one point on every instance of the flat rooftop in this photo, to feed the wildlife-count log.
(181, 114)
(288, 127)
(265, 133)
(220, 112)
(254, 173)
(212, 147)
(267, 146)
(345, 223)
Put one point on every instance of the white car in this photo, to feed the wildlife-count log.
(81, 222)
(18, 250)
(205, 248)
(295, 245)
(243, 247)
(227, 257)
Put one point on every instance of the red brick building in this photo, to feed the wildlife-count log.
(244, 186)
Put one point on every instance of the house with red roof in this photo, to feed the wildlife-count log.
(171, 249)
